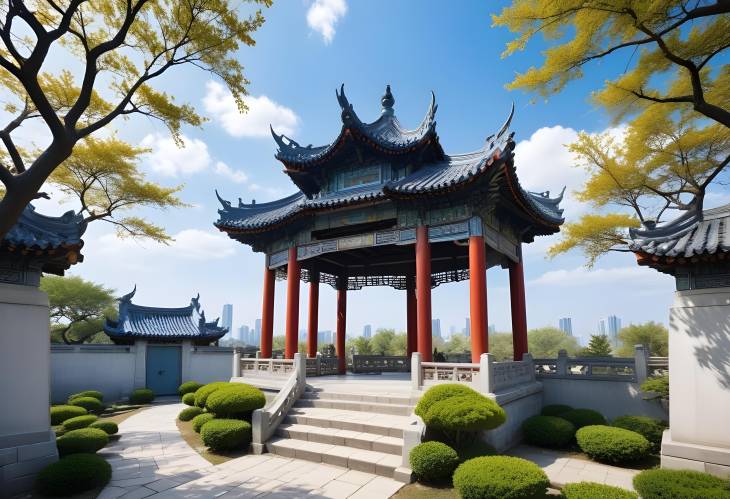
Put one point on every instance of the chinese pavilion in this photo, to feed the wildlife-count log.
(385, 206)
(158, 324)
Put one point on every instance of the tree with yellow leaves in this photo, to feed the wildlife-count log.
(665, 161)
(677, 42)
(123, 47)
(678, 140)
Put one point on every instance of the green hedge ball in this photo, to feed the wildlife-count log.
(201, 419)
(612, 445)
(60, 413)
(188, 399)
(188, 387)
(591, 490)
(433, 461)
(73, 474)
(685, 484)
(91, 404)
(498, 477)
(235, 401)
(85, 440)
(109, 427)
(548, 431)
(226, 434)
(189, 413)
(88, 393)
(441, 392)
(79, 422)
(141, 396)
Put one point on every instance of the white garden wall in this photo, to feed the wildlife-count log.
(115, 370)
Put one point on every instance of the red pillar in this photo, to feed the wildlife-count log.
(292, 305)
(519, 312)
(478, 297)
(312, 325)
(267, 313)
(341, 328)
(423, 292)
(411, 320)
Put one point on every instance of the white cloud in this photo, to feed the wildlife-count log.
(168, 158)
(323, 15)
(236, 176)
(261, 113)
(631, 276)
(188, 244)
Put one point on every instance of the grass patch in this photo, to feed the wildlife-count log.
(193, 440)
(421, 491)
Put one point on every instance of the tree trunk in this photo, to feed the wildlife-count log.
(27, 185)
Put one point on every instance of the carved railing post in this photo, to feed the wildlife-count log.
(236, 365)
(416, 371)
(527, 357)
(486, 378)
(641, 363)
(561, 366)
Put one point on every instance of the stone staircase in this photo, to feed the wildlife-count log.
(359, 431)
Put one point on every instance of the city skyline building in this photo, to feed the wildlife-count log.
(367, 331)
(227, 320)
(436, 328)
(610, 327)
(467, 329)
(565, 324)
(491, 329)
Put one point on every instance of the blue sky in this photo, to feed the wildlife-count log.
(304, 51)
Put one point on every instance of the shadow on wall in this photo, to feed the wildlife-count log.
(710, 330)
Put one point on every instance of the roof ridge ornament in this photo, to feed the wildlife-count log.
(387, 101)
(128, 297)
(226, 204)
(348, 112)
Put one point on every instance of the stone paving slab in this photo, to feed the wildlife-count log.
(151, 459)
(562, 468)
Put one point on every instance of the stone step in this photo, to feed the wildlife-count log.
(368, 461)
(351, 405)
(346, 438)
(360, 397)
(362, 422)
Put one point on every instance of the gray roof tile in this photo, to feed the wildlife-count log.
(694, 233)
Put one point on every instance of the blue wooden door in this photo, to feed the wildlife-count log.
(163, 369)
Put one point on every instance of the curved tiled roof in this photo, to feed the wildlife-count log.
(386, 131)
(433, 177)
(139, 321)
(693, 234)
(41, 232)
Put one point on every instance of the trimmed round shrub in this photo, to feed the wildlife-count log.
(612, 445)
(555, 410)
(189, 413)
(465, 413)
(651, 428)
(671, 484)
(475, 448)
(202, 393)
(85, 440)
(189, 387)
(584, 417)
(226, 434)
(433, 461)
(88, 393)
(60, 413)
(141, 396)
(236, 401)
(201, 419)
(73, 474)
(500, 477)
(592, 490)
(189, 399)
(91, 404)
(548, 431)
(438, 393)
(79, 422)
(108, 427)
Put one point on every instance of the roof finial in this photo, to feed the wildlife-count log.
(387, 101)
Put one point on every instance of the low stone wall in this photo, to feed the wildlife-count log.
(116, 370)
(610, 398)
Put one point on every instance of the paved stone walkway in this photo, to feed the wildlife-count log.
(152, 460)
(562, 468)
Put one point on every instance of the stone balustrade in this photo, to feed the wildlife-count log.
(380, 364)
(265, 421)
